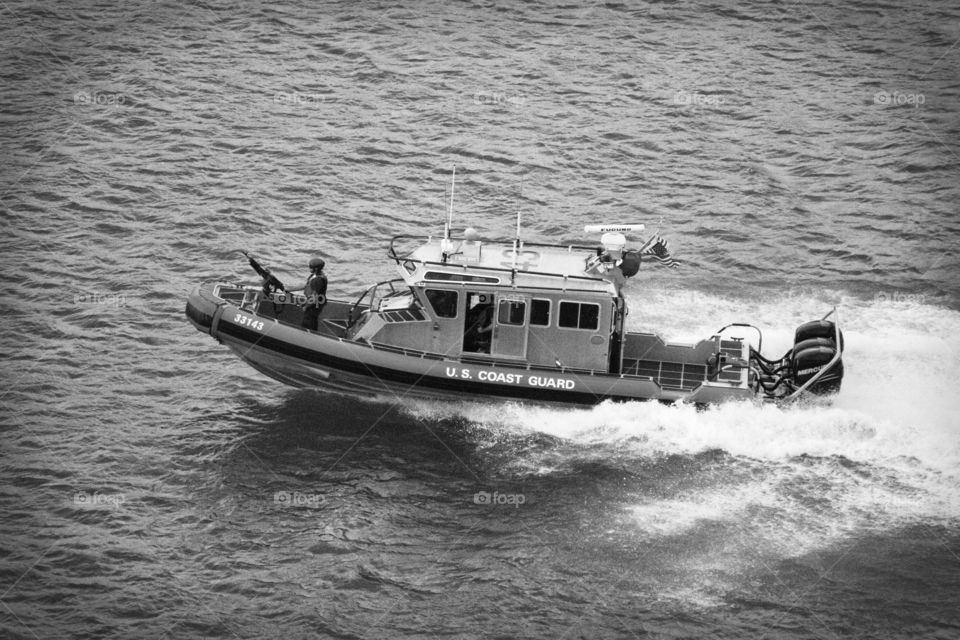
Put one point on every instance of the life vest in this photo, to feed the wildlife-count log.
(316, 290)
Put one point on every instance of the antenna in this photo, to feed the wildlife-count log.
(604, 228)
(453, 184)
(516, 240)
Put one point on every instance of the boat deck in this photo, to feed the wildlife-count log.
(677, 367)
(333, 320)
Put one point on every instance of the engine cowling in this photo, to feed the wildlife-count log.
(810, 356)
(817, 329)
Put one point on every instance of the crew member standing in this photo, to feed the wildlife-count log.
(316, 293)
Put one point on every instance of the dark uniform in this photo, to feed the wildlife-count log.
(316, 294)
(477, 336)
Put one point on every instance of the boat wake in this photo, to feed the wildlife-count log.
(897, 406)
(761, 483)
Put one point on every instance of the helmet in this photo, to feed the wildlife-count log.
(317, 263)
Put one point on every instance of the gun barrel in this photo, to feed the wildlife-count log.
(271, 280)
(263, 273)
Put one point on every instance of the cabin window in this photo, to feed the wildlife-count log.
(540, 312)
(579, 315)
(458, 277)
(444, 302)
(511, 312)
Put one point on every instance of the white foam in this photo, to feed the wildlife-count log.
(885, 452)
(902, 364)
(897, 409)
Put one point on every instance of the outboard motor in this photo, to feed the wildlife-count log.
(814, 347)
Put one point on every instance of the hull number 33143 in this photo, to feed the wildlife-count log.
(248, 321)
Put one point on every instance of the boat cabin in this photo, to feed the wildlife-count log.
(534, 304)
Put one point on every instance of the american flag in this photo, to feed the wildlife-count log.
(659, 249)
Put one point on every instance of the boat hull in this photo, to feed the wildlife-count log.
(333, 363)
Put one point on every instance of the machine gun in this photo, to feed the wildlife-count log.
(270, 282)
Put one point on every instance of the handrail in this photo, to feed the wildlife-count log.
(504, 270)
(830, 365)
(251, 295)
(749, 326)
(569, 247)
(507, 270)
(371, 290)
(466, 359)
(392, 252)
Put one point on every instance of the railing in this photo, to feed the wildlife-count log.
(251, 297)
(466, 359)
(371, 292)
(392, 253)
(748, 326)
(400, 259)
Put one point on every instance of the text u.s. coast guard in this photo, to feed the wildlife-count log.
(546, 382)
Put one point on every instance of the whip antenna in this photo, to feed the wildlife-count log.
(516, 240)
(453, 184)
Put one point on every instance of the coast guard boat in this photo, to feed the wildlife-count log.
(469, 317)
